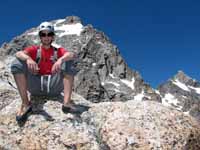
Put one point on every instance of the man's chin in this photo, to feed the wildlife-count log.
(47, 43)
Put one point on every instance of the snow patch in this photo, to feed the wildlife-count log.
(36, 41)
(70, 29)
(139, 97)
(129, 83)
(112, 76)
(56, 45)
(187, 113)
(35, 33)
(114, 83)
(184, 96)
(157, 92)
(196, 89)
(170, 100)
(181, 85)
(66, 29)
(116, 90)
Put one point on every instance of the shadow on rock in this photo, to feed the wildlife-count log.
(38, 102)
(44, 114)
(23, 120)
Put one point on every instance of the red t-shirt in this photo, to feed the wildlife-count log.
(46, 62)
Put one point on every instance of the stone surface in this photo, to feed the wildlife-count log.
(110, 125)
(144, 126)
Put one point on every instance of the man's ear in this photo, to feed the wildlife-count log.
(53, 38)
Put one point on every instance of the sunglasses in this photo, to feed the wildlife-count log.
(50, 34)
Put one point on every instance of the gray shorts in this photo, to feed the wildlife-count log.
(50, 85)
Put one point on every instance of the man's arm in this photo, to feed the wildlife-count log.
(22, 55)
(31, 64)
(66, 57)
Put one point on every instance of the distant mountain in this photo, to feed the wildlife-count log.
(183, 93)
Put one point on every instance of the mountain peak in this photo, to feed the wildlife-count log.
(73, 19)
(69, 20)
(182, 77)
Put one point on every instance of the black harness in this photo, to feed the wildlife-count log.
(39, 55)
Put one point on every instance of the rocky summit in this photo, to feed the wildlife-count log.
(118, 110)
(182, 93)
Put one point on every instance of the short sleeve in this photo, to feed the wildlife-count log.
(61, 52)
(31, 51)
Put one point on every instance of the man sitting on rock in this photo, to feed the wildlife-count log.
(43, 71)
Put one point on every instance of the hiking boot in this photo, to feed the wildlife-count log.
(74, 108)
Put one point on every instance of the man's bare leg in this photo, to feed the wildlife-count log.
(68, 81)
(21, 83)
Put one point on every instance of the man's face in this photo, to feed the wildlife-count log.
(46, 37)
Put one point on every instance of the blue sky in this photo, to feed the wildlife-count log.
(156, 38)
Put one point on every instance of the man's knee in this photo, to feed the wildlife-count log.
(68, 68)
(68, 76)
(18, 66)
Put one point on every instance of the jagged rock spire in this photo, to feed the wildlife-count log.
(182, 77)
(73, 19)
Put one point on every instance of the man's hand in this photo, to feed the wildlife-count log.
(32, 66)
(57, 66)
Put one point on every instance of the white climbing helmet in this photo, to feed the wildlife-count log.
(46, 26)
